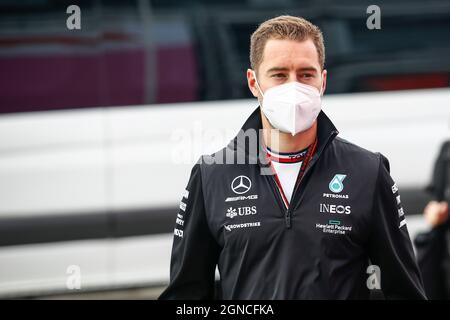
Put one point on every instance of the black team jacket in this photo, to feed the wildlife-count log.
(343, 232)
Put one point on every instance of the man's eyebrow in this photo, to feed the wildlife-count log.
(274, 69)
(277, 69)
(308, 69)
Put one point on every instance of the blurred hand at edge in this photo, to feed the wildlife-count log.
(436, 213)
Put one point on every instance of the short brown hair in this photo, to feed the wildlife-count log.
(285, 27)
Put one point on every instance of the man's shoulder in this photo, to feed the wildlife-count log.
(226, 155)
(220, 160)
(362, 157)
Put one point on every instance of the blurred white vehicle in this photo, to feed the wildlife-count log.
(89, 197)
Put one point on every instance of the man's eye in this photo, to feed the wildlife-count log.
(307, 75)
(278, 75)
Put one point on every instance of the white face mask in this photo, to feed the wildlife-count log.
(291, 107)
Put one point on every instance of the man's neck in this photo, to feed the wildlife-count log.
(284, 142)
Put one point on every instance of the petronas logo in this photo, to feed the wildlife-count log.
(336, 184)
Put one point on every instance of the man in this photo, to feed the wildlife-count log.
(433, 245)
(432, 251)
(309, 229)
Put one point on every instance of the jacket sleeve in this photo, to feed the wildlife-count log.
(390, 247)
(194, 251)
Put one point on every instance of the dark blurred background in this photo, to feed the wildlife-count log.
(161, 51)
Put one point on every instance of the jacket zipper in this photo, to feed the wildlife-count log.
(277, 194)
(288, 211)
(288, 218)
(288, 215)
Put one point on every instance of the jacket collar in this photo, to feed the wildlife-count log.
(248, 141)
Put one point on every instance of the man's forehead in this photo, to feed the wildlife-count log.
(290, 54)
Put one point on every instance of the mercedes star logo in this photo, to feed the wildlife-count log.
(241, 184)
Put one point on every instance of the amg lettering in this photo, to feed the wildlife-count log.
(251, 197)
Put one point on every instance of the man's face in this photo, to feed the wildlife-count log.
(286, 61)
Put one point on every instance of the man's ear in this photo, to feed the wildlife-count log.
(324, 81)
(251, 81)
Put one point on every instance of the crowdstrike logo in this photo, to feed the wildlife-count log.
(230, 227)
